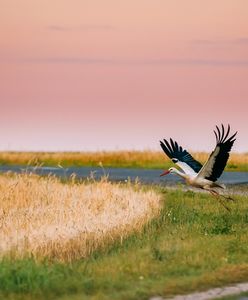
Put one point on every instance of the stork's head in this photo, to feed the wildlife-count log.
(171, 170)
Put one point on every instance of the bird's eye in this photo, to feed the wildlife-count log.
(175, 160)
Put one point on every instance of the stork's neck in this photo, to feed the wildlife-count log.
(181, 174)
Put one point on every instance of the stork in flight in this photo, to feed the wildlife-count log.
(198, 175)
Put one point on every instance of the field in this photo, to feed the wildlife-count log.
(43, 217)
(169, 241)
(129, 159)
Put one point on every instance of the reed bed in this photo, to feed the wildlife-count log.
(135, 159)
(43, 217)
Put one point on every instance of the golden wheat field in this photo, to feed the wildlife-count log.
(43, 217)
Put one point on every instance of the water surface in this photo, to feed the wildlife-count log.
(148, 176)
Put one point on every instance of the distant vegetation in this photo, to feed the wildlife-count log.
(128, 159)
(191, 243)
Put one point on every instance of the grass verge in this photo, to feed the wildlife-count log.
(241, 296)
(194, 244)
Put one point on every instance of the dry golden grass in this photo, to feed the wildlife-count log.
(145, 159)
(107, 158)
(235, 158)
(43, 217)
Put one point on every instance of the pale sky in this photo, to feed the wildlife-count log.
(93, 75)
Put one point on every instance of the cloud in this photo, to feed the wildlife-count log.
(242, 41)
(221, 42)
(58, 28)
(85, 27)
(130, 62)
(71, 60)
(197, 62)
(204, 42)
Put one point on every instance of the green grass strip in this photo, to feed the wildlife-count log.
(194, 244)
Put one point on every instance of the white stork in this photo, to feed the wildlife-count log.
(196, 174)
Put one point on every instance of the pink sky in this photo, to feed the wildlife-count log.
(93, 74)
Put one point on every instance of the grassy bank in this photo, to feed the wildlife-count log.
(128, 159)
(193, 244)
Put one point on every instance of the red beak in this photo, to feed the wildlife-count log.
(165, 173)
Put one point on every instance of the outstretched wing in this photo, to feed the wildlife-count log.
(217, 160)
(181, 157)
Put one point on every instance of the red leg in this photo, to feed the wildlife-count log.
(217, 195)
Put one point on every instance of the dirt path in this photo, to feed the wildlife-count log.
(216, 293)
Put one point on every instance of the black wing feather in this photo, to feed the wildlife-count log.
(172, 150)
(219, 157)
